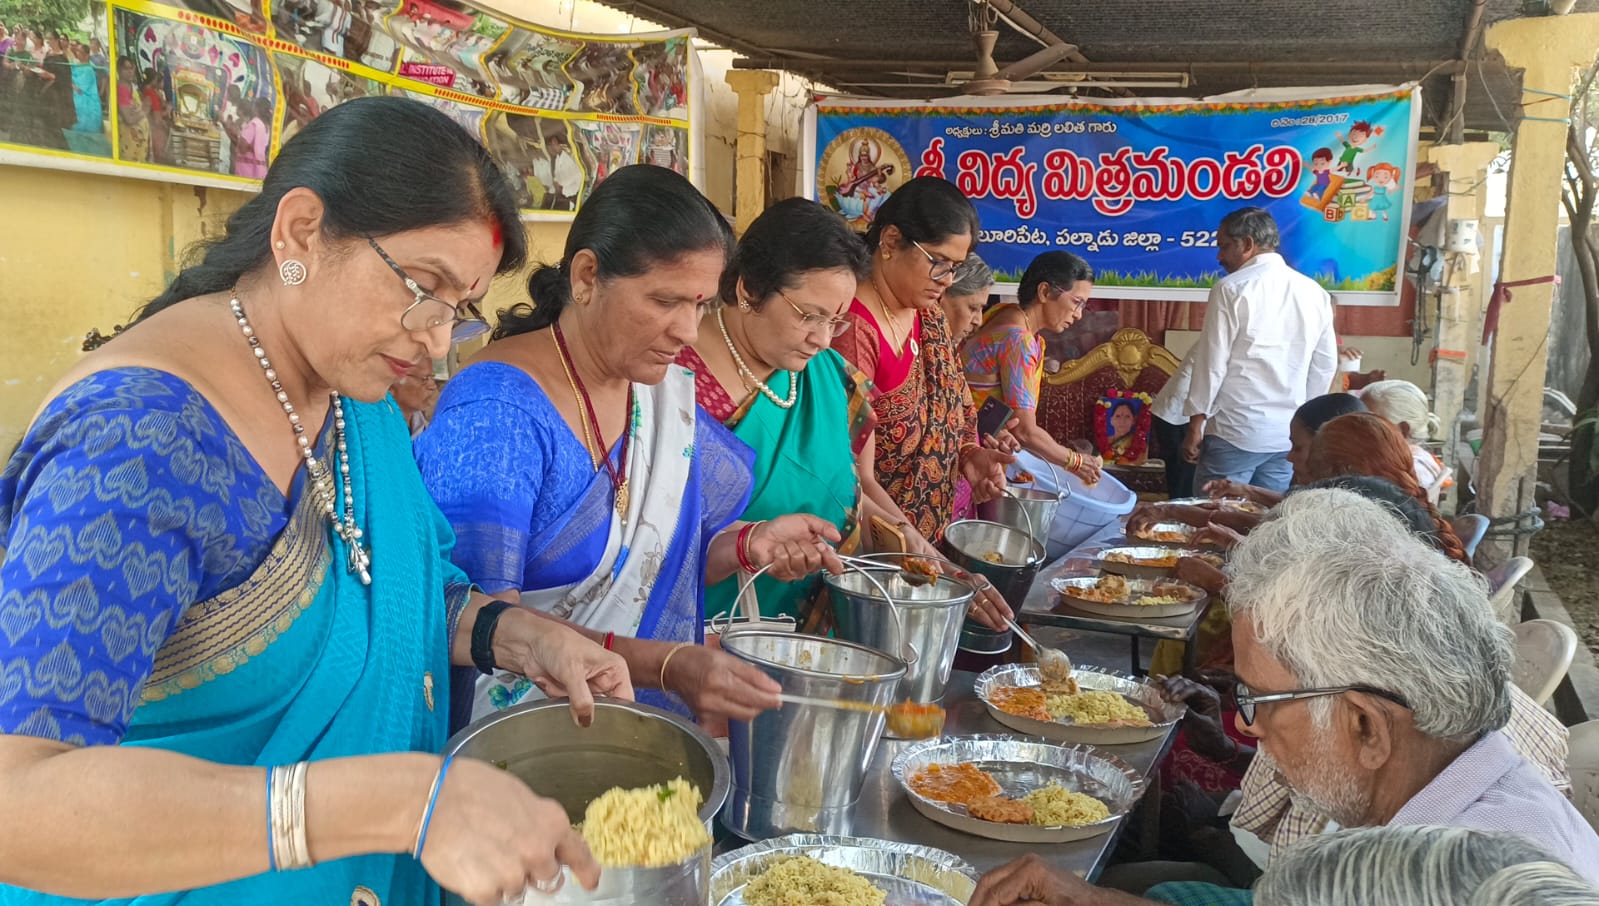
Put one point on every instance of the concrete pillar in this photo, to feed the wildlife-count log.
(1548, 50)
(749, 183)
(1459, 329)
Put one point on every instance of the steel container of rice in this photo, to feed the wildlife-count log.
(628, 745)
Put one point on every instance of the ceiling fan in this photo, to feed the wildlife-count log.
(988, 78)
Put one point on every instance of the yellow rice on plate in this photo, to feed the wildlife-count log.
(1097, 707)
(1056, 806)
(803, 881)
(648, 827)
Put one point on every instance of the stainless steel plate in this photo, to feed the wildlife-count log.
(1162, 714)
(1067, 588)
(1022, 766)
(911, 875)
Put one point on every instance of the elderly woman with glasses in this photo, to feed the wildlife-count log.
(926, 436)
(1005, 357)
(228, 602)
(763, 368)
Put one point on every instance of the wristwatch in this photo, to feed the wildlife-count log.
(488, 616)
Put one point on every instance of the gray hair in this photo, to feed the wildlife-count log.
(1255, 224)
(975, 277)
(1419, 866)
(1340, 592)
(1402, 401)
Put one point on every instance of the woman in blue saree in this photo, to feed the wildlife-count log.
(580, 476)
(225, 594)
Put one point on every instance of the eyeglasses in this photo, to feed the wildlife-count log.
(1248, 699)
(429, 312)
(813, 322)
(939, 268)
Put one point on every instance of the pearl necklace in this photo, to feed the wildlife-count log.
(360, 559)
(749, 376)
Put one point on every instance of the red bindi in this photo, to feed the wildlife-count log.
(498, 234)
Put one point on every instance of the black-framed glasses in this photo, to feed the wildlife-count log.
(1248, 698)
(939, 268)
(813, 322)
(428, 312)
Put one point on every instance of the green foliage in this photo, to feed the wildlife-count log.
(70, 17)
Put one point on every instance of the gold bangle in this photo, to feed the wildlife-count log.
(668, 659)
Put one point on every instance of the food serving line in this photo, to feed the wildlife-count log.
(815, 779)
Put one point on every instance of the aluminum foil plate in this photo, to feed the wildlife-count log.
(1238, 504)
(1022, 766)
(1105, 563)
(1162, 714)
(1183, 531)
(911, 875)
(1068, 587)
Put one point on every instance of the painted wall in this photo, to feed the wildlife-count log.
(80, 252)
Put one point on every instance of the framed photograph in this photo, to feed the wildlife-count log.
(1121, 427)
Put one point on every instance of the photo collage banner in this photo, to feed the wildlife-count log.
(208, 90)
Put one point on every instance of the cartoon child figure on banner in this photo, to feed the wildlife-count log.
(1321, 162)
(1383, 177)
(1358, 143)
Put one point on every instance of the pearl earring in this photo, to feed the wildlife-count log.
(743, 304)
(291, 272)
(279, 245)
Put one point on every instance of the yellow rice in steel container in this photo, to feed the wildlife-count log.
(648, 827)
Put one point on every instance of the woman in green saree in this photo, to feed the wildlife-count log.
(764, 368)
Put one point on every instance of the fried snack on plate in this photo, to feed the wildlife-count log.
(1000, 810)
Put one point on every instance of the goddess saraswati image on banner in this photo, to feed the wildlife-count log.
(858, 171)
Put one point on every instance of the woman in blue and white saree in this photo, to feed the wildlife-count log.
(579, 473)
(225, 593)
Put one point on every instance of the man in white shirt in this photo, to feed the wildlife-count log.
(1267, 346)
(561, 174)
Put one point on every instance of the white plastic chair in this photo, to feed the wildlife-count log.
(1544, 649)
(1471, 528)
(1583, 763)
(1502, 581)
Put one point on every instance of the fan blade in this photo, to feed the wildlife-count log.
(1035, 63)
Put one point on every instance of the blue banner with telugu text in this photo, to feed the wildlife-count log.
(1138, 188)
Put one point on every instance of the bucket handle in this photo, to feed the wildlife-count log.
(908, 650)
(742, 604)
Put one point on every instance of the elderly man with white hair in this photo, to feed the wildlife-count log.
(1372, 670)
(1420, 866)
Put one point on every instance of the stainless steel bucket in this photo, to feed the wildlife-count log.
(926, 618)
(1030, 509)
(1008, 556)
(628, 745)
(800, 768)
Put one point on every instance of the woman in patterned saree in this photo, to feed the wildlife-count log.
(926, 434)
(225, 591)
(577, 472)
(1005, 357)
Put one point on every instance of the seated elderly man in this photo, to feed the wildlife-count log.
(1372, 670)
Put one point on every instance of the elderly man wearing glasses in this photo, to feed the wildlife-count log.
(1374, 674)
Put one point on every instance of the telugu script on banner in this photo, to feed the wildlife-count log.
(210, 89)
(1139, 188)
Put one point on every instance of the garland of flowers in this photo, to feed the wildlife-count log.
(1138, 449)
